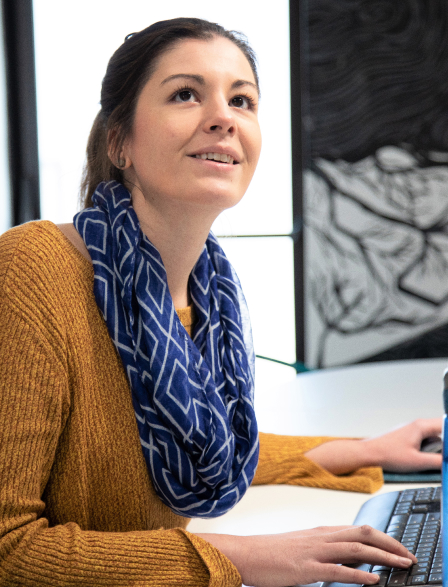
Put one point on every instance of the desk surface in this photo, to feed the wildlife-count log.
(362, 400)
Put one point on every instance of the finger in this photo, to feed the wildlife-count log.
(430, 427)
(355, 552)
(370, 536)
(427, 461)
(341, 574)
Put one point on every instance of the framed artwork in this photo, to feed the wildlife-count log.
(374, 203)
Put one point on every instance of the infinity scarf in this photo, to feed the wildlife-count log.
(193, 399)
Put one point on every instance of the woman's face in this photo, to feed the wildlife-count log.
(200, 100)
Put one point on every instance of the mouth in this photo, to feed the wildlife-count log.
(218, 157)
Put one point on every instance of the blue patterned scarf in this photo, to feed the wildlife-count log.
(193, 399)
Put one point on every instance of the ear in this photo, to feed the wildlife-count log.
(119, 157)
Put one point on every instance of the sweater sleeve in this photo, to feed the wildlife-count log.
(34, 408)
(282, 461)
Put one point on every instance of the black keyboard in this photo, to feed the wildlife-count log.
(412, 517)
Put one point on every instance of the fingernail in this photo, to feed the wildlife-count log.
(405, 561)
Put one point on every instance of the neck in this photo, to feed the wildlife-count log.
(179, 235)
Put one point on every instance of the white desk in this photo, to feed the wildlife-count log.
(363, 400)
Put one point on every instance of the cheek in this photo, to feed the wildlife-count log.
(258, 142)
(253, 141)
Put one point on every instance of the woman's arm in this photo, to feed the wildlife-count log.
(38, 415)
(311, 555)
(347, 464)
(31, 552)
(398, 450)
(284, 460)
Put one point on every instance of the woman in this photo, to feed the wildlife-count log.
(121, 416)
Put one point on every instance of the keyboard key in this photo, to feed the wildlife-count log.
(420, 569)
(395, 527)
(417, 580)
(397, 579)
(396, 535)
(435, 578)
(434, 530)
(421, 555)
(434, 525)
(433, 517)
(420, 509)
(409, 539)
(429, 534)
(424, 559)
(378, 568)
(403, 509)
(424, 498)
(426, 544)
(417, 518)
(425, 548)
(383, 575)
(400, 520)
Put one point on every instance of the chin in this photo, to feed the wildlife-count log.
(215, 198)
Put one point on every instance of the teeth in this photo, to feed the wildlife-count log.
(216, 157)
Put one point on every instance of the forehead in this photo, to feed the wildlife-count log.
(215, 57)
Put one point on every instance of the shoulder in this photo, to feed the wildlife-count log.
(36, 258)
(44, 281)
(28, 239)
(70, 232)
(39, 242)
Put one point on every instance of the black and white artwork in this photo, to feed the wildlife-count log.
(376, 180)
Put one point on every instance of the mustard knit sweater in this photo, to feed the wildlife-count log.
(77, 506)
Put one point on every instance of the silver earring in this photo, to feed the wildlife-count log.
(121, 163)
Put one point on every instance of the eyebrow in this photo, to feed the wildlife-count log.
(200, 80)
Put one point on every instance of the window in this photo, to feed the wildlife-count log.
(5, 198)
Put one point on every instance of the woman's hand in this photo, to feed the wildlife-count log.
(398, 450)
(309, 556)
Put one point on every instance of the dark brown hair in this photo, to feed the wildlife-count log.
(129, 68)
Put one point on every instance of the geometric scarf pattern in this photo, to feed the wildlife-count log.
(193, 398)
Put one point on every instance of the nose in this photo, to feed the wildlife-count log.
(219, 118)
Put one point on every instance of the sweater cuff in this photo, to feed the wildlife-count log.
(282, 462)
(223, 572)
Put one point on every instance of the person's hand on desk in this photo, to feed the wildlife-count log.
(396, 451)
(309, 556)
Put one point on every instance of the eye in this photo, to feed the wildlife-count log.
(244, 102)
(184, 95)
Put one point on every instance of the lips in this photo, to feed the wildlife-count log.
(221, 158)
(219, 154)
